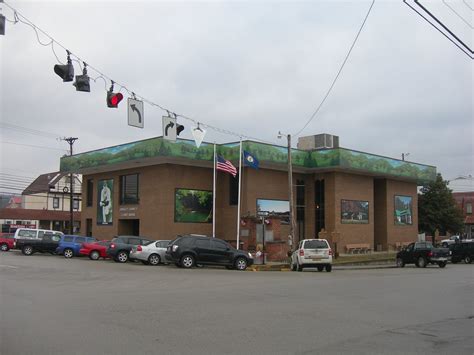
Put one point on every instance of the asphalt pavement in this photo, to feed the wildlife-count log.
(51, 305)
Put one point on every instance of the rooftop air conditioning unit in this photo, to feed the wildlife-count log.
(318, 141)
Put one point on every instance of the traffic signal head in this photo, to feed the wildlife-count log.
(179, 129)
(66, 72)
(113, 99)
(2, 24)
(82, 81)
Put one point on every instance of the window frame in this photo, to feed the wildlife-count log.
(127, 200)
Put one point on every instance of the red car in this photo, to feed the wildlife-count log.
(95, 250)
(7, 242)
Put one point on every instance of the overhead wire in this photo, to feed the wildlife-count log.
(467, 4)
(457, 14)
(338, 73)
(29, 130)
(34, 146)
(131, 93)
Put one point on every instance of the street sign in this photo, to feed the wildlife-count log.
(169, 128)
(136, 117)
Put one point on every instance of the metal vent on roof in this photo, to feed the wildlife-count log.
(318, 141)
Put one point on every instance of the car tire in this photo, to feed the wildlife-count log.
(328, 268)
(240, 264)
(422, 262)
(4, 247)
(122, 257)
(94, 255)
(154, 259)
(442, 264)
(467, 259)
(27, 250)
(400, 262)
(68, 253)
(187, 261)
(320, 268)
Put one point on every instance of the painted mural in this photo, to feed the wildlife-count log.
(193, 206)
(403, 210)
(105, 196)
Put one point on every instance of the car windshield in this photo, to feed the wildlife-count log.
(315, 244)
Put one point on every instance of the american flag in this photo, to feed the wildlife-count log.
(226, 166)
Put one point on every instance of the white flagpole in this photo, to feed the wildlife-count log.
(214, 196)
(238, 203)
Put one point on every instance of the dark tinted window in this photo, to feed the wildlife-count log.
(90, 191)
(316, 244)
(185, 241)
(134, 241)
(129, 189)
(203, 243)
(68, 239)
(80, 240)
(233, 190)
(219, 244)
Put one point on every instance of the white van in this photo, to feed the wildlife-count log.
(28, 233)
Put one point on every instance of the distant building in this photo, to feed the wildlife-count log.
(159, 189)
(465, 201)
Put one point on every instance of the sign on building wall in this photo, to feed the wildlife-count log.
(403, 210)
(105, 191)
(193, 206)
(354, 211)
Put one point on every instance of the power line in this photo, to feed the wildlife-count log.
(339, 72)
(457, 14)
(29, 130)
(34, 146)
(52, 41)
(467, 4)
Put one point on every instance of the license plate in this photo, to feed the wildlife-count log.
(317, 257)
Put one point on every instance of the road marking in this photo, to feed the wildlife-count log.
(9, 266)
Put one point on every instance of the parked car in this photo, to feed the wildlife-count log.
(152, 254)
(421, 254)
(190, 250)
(69, 245)
(95, 250)
(7, 242)
(47, 244)
(29, 233)
(120, 247)
(312, 253)
(462, 251)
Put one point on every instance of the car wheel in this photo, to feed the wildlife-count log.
(320, 268)
(68, 253)
(421, 262)
(27, 250)
(187, 261)
(328, 268)
(400, 262)
(122, 257)
(467, 259)
(442, 264)
(4, 247)
(94, 255)
(241, 264)
(154, 259)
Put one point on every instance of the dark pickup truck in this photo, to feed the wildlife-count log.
(47, 244)
(421, 254)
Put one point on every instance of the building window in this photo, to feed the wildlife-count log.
(129, 189)
(90, 191)
(234, 190)
(469, 208)
(55, 202)
(75, 204)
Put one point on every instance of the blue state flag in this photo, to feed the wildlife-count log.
(250, 160)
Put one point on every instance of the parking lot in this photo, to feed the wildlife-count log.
(49, 304)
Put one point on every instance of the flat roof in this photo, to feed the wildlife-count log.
(154, 151)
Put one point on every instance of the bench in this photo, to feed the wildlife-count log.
(358, 248)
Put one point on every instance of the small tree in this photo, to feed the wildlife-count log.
(437, 209)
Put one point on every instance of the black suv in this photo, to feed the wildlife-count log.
(188, 250)
(462, 251)
(120, 247)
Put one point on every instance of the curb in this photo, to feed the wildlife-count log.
(349, 266)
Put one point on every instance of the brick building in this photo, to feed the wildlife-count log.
(157, 188)
(465, 201)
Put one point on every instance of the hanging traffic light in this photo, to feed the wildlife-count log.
(179, 129)
(82, 81)
(113, 99)
(66, 72)
(2, 25)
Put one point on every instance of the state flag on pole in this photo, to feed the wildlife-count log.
(250, 160)
(226, 166)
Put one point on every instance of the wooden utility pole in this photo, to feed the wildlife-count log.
(71, 141)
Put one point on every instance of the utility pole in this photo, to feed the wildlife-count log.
(290, 190)
(71, 141)
(404, 155)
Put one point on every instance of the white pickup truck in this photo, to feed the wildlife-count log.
(453, 239)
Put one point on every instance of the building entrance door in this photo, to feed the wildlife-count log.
(129, 227)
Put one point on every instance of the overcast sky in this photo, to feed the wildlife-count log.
(253, 67)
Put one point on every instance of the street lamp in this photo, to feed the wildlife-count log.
(290, 187)
(404, 155)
